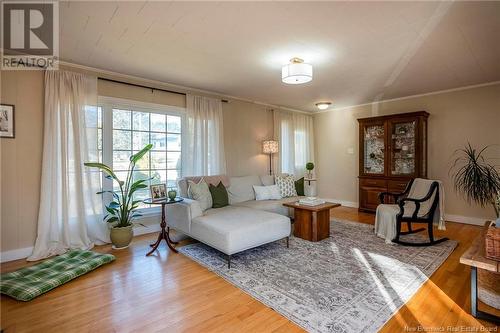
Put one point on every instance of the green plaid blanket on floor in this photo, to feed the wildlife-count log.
(30, 282)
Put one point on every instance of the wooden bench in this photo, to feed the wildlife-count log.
(475, 258)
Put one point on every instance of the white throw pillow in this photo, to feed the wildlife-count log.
(200, 193)
(286, 184)
(271, 192)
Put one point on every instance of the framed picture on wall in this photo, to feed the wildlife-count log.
(6, 121)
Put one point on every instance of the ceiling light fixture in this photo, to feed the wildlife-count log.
(323, 105)
(296, 72)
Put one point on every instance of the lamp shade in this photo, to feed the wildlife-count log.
(270, 147)
(296, 72)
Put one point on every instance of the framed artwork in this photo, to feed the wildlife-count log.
(158, 191)
(6, 121)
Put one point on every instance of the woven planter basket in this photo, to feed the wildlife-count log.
(492, 242)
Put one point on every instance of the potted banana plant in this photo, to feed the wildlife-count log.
(121, 210)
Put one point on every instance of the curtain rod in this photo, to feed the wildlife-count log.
(152, 88)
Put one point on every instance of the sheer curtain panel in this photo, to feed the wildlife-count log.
(296, 136)
(203, 147)
(70, 214)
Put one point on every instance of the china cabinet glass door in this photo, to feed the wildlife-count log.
(403, 147)
(374, 149)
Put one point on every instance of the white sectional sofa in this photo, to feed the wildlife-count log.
(244, 224)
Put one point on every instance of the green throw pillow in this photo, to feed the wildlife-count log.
(299, 186)
(219, 195)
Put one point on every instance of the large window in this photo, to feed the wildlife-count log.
(295, 134)
(126, 127)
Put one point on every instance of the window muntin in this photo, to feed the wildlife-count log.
(128, 128)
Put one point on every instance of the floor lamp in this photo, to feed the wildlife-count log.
(270, 147)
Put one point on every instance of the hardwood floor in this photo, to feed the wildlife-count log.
(169, 292)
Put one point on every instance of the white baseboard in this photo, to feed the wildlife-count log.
(344, 203)
(150, 228)
(15, 254)
(465, 219)
(140, 230)
(447, 217)
(26, 252)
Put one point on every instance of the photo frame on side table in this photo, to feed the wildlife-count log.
(158, 192)
(7, 121)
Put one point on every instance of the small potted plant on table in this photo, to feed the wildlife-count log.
(309, 168)
(121, 210)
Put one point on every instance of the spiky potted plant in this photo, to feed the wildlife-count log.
(476, 179)
(121, 210)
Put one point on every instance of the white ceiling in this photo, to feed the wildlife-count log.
(360, 51)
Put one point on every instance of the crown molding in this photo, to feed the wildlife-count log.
(185, 89)
(437, 92)
(179, 88)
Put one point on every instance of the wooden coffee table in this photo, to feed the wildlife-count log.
(312, 223)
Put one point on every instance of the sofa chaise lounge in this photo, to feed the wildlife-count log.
(244, 224)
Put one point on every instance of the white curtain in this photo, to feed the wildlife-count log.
(70, 214)
(295, 134)
(203, 144)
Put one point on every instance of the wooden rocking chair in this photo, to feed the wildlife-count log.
(416, 217)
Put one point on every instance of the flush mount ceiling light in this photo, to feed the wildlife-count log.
(296, 72)
(323, 105)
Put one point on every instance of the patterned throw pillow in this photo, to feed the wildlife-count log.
(271, 192)
(201, 193)
(286, 183)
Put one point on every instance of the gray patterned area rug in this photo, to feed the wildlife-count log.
(350, 282)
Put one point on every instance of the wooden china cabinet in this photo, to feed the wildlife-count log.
(392, 150)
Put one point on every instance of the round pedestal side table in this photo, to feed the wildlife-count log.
(165, 230)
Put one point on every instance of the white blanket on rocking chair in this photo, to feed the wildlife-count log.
(385, 218)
